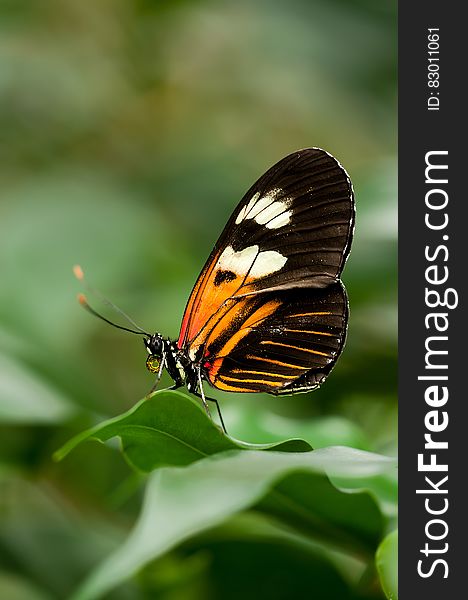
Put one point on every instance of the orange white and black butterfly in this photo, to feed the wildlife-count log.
(268, 312)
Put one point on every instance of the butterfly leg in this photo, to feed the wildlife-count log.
(201, 394)
(219, 414)
(204, 399)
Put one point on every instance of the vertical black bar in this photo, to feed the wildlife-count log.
(433, 118)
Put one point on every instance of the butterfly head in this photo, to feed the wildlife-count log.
(155, 347)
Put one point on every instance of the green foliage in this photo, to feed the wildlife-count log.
(27, 398)
(203, 478)
(387, 565)
(169, 429)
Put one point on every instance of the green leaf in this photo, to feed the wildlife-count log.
(169, 429)
(47, 541)
(309, 503)
(250, 423)
(383, 487)
(182, 502)
(386, 560)
(15, 587)
(250, 569)
(27, 398)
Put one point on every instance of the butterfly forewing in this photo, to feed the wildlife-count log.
(282, 250)
(292, 229)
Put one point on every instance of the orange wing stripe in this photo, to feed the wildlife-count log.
(190, 315)
(230, 388)
(309, 314)
(260, 314)
(296, 348)
(224, 320)
(277, 362)
(313, 332)
(217, 324)
(264, 373)
(226, 378)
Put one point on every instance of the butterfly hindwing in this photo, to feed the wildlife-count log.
(291, 230)
(280, 342)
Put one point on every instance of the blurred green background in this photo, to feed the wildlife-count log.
(130, 130)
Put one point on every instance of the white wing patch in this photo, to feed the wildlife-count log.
(241, 216)
(237, 262)
(266, 210)
(262, 204)
(280, 220)
(250, 261)
(267, 262)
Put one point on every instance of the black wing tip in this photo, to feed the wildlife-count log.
(314, 153)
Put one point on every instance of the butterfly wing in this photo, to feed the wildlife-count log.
(292, 230)
(282, 342)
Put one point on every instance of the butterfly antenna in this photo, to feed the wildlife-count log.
(79, 274)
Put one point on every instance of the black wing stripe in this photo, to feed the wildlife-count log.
(309, 160)
(285, 354)
(331, 203)
(305, 237)
(324, 189)
(312, 250)
(311, 360)
(325, 209)
(313, 177)
(314, 226)
(321, 346)
(299, 277)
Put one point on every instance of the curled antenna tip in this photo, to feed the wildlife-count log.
(82, 300)
(78, 272)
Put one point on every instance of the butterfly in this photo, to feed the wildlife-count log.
(268, 312)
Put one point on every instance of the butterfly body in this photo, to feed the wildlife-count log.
(269, 312)
(164, 353)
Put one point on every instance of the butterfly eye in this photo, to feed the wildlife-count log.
(153, 363)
